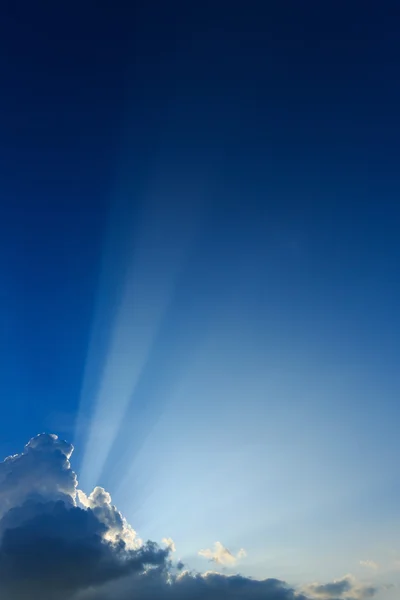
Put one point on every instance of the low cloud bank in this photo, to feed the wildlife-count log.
(57, 543)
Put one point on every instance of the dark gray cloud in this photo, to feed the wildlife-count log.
(331, 590)
(346, 588)
(159, 584)
(58, 549)
(57, 543)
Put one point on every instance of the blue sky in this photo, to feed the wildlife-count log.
(199, 256)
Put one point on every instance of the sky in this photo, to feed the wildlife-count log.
(199, 291)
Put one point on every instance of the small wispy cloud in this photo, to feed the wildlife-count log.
(369, 564)
(221, 555)
(395, 565)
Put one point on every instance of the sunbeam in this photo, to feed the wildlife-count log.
(150, 256)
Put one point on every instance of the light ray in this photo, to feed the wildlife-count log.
(150, 258)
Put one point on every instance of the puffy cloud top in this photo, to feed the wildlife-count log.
(170, 543)
(58, 543)
(42, 470)
(117, 527)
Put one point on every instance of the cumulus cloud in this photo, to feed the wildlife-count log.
(221, 555)
(41, 470)
(58, 543)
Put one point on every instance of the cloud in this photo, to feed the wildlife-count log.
(170, 543)
(55, 540)
(57, 543)
(41, 470)
(188, 586)
(118, 529)
(346, 588)
(62, 549)
(221, 555)
(369, 564)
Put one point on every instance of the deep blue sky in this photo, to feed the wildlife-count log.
(290, 114)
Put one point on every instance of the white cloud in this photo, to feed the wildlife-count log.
(369, 564)
(118, 529)
(169, 542)
(221, 555)
(42, 469)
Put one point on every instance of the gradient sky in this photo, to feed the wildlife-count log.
(199, 245)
